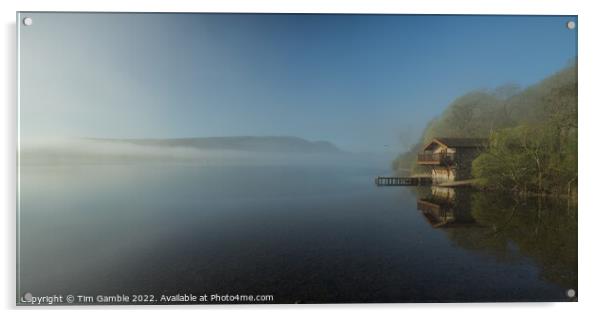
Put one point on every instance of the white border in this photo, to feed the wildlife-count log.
(589, 111)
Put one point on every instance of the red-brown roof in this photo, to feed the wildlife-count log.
(459, 142)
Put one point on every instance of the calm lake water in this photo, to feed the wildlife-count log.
(309, 234)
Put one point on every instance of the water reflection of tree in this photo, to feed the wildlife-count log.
(543, 230)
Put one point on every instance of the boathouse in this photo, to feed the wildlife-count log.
(450, 159)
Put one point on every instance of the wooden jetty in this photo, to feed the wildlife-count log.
(403, 181)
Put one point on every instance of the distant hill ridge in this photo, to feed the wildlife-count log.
(243, 143)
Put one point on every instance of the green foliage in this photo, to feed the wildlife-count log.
(497, 167)
(533, 134)
(540, 155)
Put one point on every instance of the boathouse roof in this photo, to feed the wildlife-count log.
(458, 142)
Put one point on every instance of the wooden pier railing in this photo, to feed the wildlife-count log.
(402, 181)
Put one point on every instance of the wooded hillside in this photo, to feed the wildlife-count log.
(532, 134)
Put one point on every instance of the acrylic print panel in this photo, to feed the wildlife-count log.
(296, 158)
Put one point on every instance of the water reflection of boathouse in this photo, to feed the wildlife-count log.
(447, 207)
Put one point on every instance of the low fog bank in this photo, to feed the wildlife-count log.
(272, 144)
(99, 151)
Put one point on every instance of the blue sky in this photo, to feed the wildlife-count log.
(363, 82)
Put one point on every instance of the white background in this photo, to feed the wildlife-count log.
(590, 216)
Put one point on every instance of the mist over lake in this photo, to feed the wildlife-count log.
(198, 151)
